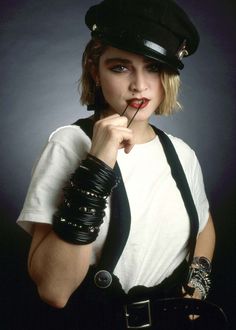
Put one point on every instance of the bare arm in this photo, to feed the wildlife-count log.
(57, 267)
(205, 246)
(206, 241)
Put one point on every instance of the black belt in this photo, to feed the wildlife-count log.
(144, 307)
(173, 313)
(148, 313)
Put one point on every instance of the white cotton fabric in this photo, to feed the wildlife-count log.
(159, 221)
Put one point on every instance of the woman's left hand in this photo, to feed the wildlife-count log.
(196, 295)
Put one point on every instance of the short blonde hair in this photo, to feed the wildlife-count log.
(93, 51)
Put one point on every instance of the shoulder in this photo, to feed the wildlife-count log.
(189, 160)
(184, 151)
(70, 137)
(68, 133)
(187, 157)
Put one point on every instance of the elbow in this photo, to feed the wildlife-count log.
(49, 293)
(52, 298)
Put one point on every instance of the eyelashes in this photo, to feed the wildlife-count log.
(152, 67)
(119, 68)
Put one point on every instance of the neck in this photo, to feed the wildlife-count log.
(142, 131)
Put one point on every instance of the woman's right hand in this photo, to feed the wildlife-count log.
(109, 135)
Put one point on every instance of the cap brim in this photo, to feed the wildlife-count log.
(142, 47)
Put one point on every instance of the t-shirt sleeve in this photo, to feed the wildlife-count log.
(59, 159)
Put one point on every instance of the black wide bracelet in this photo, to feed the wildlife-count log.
(79, 217)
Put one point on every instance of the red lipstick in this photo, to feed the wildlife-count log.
(138, 103)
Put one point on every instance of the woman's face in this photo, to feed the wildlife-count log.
(130, 79)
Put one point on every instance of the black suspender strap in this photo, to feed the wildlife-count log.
(120, 218)
(86, 124)
(119, 227)
(182, 184)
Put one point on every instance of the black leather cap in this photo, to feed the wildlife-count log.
(158, 29)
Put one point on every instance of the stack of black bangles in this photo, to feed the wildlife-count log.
(78, 219)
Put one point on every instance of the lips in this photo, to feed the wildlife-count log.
(138, 103)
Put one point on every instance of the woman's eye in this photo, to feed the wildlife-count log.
(154, 67)
(119, 68)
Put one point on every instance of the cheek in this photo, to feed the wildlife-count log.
(111, 87)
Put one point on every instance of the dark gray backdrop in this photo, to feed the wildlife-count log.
(41, 46)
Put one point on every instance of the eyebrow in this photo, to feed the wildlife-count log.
(112, 60)
(117, 59)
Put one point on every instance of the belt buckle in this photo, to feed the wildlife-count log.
(136, 311)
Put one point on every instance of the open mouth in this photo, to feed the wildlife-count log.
(138, 103)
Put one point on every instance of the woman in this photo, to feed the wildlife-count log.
(130, 71)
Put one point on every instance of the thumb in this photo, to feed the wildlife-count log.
(128, 147)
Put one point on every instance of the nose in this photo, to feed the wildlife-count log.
(138, 83)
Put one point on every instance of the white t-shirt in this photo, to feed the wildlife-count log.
(159, 221)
